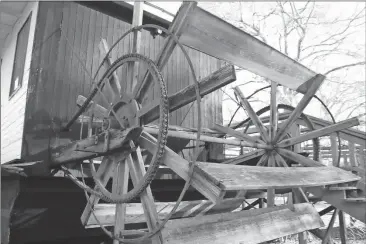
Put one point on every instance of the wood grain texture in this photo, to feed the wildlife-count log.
(216, 37)
(237, 177)
(187, 95)
(186, 209)
(253, 226)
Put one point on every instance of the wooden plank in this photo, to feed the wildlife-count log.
(137, 171)
(212, 35)
(181, 167)
(316, 82)
(320, 132)
(255, 119)
(253, 226)
(214, 81)
(237, 177)
(186, 209)
(71, 153)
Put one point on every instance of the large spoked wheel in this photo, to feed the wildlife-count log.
(275, 143)
(123, 114)
(123, 111)
(246, 124)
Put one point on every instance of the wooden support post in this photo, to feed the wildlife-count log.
(119, 187)
(342, 227)
(334, 148)
(133, 67)
(273, 111)
(352, 154)
(295, 132)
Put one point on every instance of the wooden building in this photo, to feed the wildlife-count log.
(47, 58)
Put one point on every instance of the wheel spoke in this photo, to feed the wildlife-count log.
(298, 158)
(243, 158)
(104, 173)
(214, 81)
(119, 187)
(273, 112)
(255, 119)
(193, 136)
(320, 132)
(317, 81)
(239, 135)
(271, 160)
(113, 85)
(137, 171)
(169, 45)
(263, 160)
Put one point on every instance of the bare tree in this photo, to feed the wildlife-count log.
(333, 45)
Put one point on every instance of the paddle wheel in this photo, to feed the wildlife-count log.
(125, 138)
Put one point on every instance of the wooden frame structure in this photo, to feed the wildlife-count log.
(127, 144)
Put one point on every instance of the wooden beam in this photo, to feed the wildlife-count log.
(99, 111)
(104, 173)
(176, 27)
(86, 148)
(132, 67)
(337, 199)
(243, 158)
(234, 133)
(193, 136)
(326, 210)
(212, 35)
(342, 227)
(298, 158)
(263, 160)
(114, 83)
(320, 132)
(119, 187)
(255, 119)
(316, 83)
(186, 209)
(253, 226)
(180, 166)
(330, 226)
(334, 149)
(137, 171)
(273, 112)
(214, 81)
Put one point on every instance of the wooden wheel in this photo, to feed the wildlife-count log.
(126, 119)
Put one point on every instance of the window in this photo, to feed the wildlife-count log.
(19, 58)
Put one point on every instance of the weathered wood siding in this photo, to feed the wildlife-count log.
(59, 77)
(13, 108)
